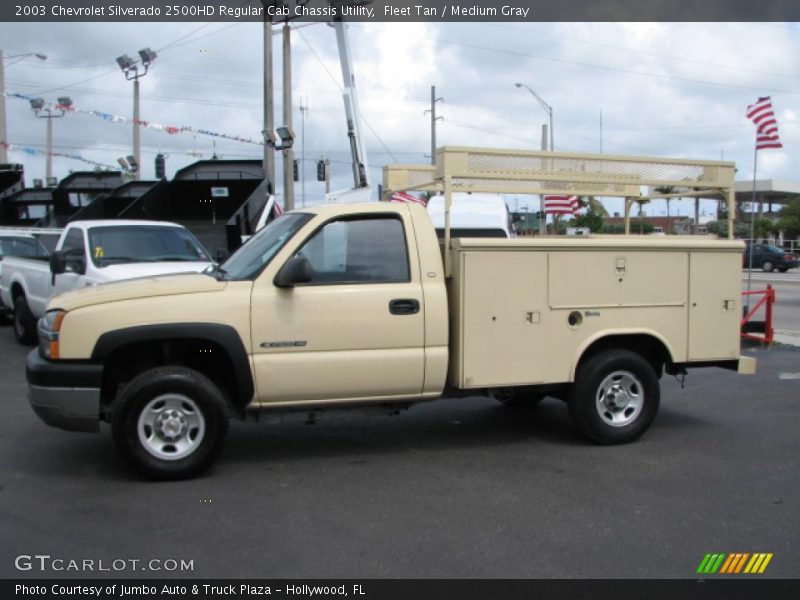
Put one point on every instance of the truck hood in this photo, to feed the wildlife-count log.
(131, 289)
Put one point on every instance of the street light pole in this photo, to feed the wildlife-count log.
(130, 68)
(43, 111)
(545, 106)
(549, 110)
(136, 139)
(3, 131)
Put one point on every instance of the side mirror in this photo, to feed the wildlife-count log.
(296, 270)
(57, 263)
(80, 266)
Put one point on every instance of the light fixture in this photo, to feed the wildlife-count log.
(37, 103)
(147, 56)
(125, 62)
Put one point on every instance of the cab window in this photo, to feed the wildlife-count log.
(358, 250)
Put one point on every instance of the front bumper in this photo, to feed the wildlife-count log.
(65, 394)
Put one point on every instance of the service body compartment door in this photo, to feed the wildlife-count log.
(504, 324)
(714, 305)
(356, 331)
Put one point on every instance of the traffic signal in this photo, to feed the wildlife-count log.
(321, 170)
(296, 170)
(161, 167)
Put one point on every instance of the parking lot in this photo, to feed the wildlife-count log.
(456, 488)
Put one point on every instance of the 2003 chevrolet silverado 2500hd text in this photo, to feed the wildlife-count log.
(348, 305)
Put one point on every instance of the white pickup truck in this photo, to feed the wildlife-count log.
(93, 252)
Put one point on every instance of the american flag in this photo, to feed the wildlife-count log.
(561, 205)
(406, 197)
(763, 116)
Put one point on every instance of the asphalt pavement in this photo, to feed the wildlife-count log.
(462, 488)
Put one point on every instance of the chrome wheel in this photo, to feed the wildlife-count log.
(171, 427)
(620, 398)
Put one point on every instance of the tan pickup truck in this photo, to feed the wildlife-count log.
(348, 306)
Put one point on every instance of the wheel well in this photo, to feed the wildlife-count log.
(648, 347)
(204, 356)
(16, 291)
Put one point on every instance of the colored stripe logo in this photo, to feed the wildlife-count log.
(734, 563)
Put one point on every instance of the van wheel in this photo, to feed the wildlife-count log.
(767, 267)
(170, 423)
(24, 322)
(615, 397)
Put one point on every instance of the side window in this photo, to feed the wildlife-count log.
(73, 244)
(358, 251)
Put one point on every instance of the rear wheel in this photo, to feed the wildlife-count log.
(24, 322)
(768, 267)
(615, 397)
(170, 423)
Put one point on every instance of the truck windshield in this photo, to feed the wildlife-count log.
(143, 243)
(249, 260)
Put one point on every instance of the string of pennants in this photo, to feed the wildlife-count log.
(38, 152)
(168, 129)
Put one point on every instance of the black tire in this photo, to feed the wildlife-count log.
(24, 322)
(607, 414)
(767, 266)
(517, 397)
(190, 402)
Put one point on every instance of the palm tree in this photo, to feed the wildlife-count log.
(667, 189)
(641, 202)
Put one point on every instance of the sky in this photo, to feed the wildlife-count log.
(663, 89)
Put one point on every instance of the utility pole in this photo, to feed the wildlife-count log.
(288, 153)
(269, 107)
(434, 118)
(303, 110)
(3, 130)
(543, 219)
(3, 134)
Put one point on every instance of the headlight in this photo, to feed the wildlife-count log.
(49, 329)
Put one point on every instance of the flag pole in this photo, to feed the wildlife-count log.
(752, 224)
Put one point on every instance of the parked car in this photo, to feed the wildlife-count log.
(768, 258)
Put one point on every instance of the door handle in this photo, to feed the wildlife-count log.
(404, 306)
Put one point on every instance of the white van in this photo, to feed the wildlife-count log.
(473, 215)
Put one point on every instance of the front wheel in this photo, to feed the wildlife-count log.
(615, 397)
(24, 322)
(170, 423)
